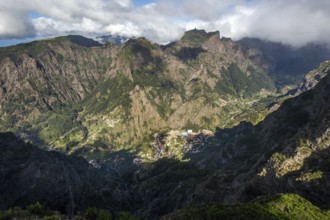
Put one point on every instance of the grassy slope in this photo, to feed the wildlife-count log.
(284, 206)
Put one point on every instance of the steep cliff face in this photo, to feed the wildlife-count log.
(47, 75)
(301, 162)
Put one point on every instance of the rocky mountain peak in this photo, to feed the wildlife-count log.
(196, 37)
(139, 45)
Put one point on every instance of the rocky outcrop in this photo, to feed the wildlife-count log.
(313, 77)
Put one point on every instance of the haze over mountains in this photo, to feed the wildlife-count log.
(200, 121)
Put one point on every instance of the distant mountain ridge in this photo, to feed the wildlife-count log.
(285, 63)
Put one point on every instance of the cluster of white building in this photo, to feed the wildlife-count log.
(185, 133)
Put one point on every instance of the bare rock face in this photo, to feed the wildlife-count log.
(50, 74)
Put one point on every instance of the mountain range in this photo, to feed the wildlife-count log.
(72, 92)
(198, 122)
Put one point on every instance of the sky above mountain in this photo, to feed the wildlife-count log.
(295, 22)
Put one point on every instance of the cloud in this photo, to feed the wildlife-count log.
(126, 29)
(14, 23)
(293, 22)
(209, 10)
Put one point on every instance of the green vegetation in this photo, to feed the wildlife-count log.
(37, 211)
(190, 125)
(126, 216)
(83, 41)
(138, 47)
(278, 157)
(96, 214)
(282, 207)
(14, 52)
(104, 97)
(86, 104)
(41, 47)
(310, 176)
(236, 83)
(61, 128)
(195, 38)
(110, 94)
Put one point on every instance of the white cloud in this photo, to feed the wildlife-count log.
(209, 10)
(127, 29)
(292, 22)
(295, 22)
(14, 24)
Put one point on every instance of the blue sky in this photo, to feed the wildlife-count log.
(295, 22)
(9, 42)
(142, 2)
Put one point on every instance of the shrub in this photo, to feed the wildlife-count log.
(36, 209)
(97, 214)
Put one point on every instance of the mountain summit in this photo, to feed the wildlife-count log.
(197, 37)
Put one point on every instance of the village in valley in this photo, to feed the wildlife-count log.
(176, 143)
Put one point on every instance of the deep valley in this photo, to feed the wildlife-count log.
(201, 128)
